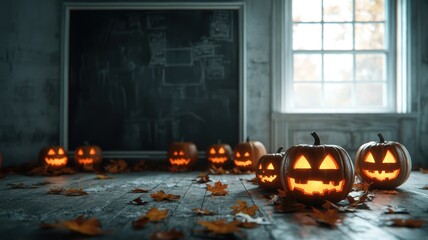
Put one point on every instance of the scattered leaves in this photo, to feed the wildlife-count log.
(82, 225)
(243, 208)
(102, 177)
(161, 195)
(67, 192)
(221, 226)
(203, 178)
(364, 186)
(246, 224)
(168, 235)
(138, 201)
(329, 217)
(203, 211)
(117, 166)
(392, 192)
(423, 170)
(410, 223)
(139, 166)
(55, 190)
(253, 181)
(153, 215)
(284, 204)
(140, 222)
(139, 190)
(218, 189)
(216, 170)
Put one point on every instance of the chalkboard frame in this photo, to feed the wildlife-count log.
(64, 84)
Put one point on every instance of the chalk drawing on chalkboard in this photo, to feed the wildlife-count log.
(125, 26)
(221, 26)
(178, 57)
(203, 49)
(183, 75)
(215, 68)
(157, 43)
(156, 22)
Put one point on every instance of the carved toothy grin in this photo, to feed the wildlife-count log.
(179, 161)
(85, 161)
(381, 175)
(243, 163)
(217, 159)
(313, 187)
(264, 178)
(56, 161)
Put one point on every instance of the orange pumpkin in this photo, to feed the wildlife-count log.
(219, 154)
(386, 164)
(247, 154)
(88, 155)
(182, 155)
(53, 157)
(268, 169)
(314, 173)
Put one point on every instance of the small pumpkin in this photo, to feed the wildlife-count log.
(53, 157)
(88, 155)
(182, 155)
(247, 154)
(385, 164)
(268, 168)
(314, 173)
(219, 154)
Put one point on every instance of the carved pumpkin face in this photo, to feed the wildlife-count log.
(315, 173)
(218, 154)
(268, 167)
(386, 164)
(54, 157)
(182, 155)
(88, 155)
(247, 154)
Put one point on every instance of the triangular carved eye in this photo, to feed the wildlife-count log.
(92, 151)
(212, 151)
(369, 158)
(238, 154)
(221, 151)
(80, 152)
(51, 152)
(175, 153)
(60, 151)
(302, 163)
(389, 158)
(246, 154)
(329, 163)
(260, 166)
(181, 153)
(270, 166)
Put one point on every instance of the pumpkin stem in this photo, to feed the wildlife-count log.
(317, 139)
(381, 139)
(248, 138)
(279, 149)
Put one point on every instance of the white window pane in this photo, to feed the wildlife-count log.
(337, 10)
(306, 36)
(338, 95)
(307, 95)
(338, 36)
(369, 36)
(307, 67)
(303, 13)
(370, 67)
(370, 94)
(338, 67)
(369, 10)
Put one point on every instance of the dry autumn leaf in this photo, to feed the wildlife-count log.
(246, 224)
(329, 217)
(364, 186)
(153, 215)
(55, 190)
(253, 181)
(102, 177)
(203, 211)
(139, 190)
(423, 170)
(74, 192)
(410, 223)
(221, 226)
(216, 170)
(138, 201)
(243, 208)
(161, 195)
(395, 210)
(139, 166)
(140, 222)
(284, 204)
(86, 226)
(117, 166)
(203, 179)
(218, 189)
(168, 235)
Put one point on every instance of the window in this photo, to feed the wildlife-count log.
(341, 56)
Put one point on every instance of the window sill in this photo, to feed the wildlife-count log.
(342, 116)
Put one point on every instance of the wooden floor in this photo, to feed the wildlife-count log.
(22, 210)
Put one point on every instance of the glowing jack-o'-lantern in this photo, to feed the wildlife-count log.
(268, 168)
(182, 155)
(386, 164)
(218, 154)
(53, 157)
(88, 155)
(315, 173)
(247, 154)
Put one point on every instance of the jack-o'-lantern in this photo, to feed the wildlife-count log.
(182, 155)
(88, 155)
(268, 168)
(247, 154)
(385, 164)
(53, 157)
(218, 154)
(314, 173)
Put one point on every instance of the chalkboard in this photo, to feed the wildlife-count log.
(139, 79)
